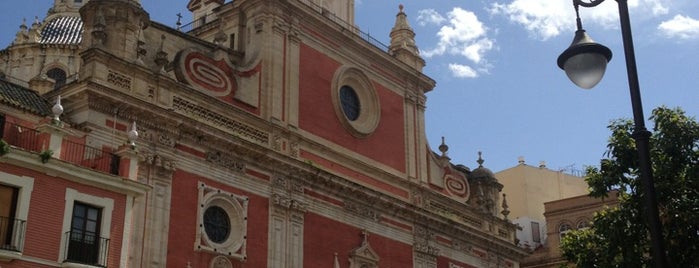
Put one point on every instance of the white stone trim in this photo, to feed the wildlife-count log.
(237, 209)
(128, 226)
(370, 109)
(72, 195)
(25, 187)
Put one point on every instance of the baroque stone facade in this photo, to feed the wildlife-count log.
(268, 133)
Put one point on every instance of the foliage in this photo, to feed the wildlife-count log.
(619, 237)
(4, 147)
(45, 156)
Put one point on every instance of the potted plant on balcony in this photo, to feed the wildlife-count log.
(45, 156)
(4, 147)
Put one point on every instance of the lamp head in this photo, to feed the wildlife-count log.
(585, 61)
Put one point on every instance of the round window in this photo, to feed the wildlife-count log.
(350, 103)
(355, 101)
(217, 224)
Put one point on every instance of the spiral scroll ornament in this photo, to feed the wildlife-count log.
(456, 186)
(213, 77)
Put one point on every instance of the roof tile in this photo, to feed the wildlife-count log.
(63, 31)
(23, 98)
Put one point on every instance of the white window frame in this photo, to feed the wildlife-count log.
(25, 187)
(107, 205)
(234, 205)
(562, 232)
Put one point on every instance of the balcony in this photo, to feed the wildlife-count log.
(32, 140)
(90, 157)
(205, 20)
(11, 234)
(86, 248)
(23, 137)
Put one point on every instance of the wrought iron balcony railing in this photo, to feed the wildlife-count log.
(12, 234)
(90, 157)
(35, 141)
(86, 248)
(24, 137)
(204, 20)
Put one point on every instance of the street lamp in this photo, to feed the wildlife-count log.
(585, 62)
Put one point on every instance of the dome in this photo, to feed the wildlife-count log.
(64, 30)
(482, 172)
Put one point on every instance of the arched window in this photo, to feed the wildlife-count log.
(563, 229)
(583, 224)
(58, 75)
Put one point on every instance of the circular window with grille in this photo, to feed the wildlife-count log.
(222, 222)
(217, 224)
(356, 102)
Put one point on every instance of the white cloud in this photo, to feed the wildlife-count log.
(657, 8)
(680, 27)
(429, 16)
(462, 71)
(542, 18)
(461, 34)
(547, 18)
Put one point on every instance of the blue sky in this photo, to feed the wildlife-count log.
(499, 89)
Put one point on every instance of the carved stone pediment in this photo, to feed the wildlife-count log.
(364, 256)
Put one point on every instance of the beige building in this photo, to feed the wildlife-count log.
(563, 216)
(527, 188)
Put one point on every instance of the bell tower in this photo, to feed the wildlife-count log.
(114, 26)
(403, 45)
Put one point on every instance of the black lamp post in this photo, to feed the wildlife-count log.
(585, 62)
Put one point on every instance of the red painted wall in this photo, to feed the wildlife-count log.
(183, 223)
(45, 218)
(317, 115)
(323, 237)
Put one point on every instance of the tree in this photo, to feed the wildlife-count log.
(619, 236)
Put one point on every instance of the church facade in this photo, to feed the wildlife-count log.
(267, 133)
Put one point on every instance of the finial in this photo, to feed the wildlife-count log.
(365, 237)
(480, 159)
(220, 37)
(336, 263)
(443, 147)
(179, 21)
(162, 41)
(480, 196)
(133, 135)
(505, 207)
(400, 7)
(57, 110)
(161, 56)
